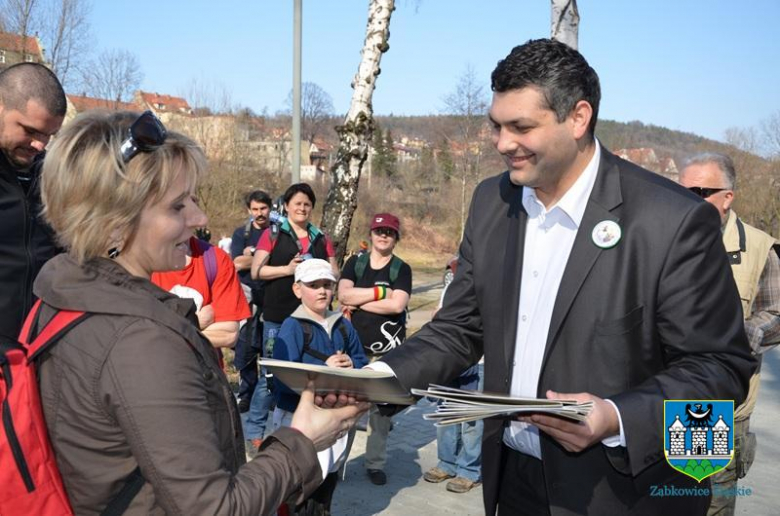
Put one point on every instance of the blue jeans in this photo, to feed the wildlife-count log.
(459, 447)
(255, 421)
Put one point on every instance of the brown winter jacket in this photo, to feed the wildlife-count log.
(124, 388)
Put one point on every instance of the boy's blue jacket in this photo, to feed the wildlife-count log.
(288, 345)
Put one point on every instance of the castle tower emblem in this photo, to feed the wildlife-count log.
(698, 438)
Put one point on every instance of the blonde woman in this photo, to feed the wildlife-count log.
(135, 386)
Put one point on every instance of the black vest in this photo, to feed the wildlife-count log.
(279, 301)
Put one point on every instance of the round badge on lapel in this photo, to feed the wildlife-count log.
(606, 234)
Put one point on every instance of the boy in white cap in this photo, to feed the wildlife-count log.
(315, 335)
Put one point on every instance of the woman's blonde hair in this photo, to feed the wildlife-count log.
(93, 200)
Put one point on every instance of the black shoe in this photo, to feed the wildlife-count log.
(243, 405)
(377, 477)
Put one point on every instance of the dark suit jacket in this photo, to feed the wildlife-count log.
(655, 317)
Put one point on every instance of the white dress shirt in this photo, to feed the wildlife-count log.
(549, 237)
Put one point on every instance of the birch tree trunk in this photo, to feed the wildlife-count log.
(565, 22)
(355, 134)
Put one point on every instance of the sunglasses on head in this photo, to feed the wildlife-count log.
(386, 232)
(705, 192)
(146, 134)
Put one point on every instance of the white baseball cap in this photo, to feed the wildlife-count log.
(313, 269)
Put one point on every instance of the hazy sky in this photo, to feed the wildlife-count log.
(693, 65)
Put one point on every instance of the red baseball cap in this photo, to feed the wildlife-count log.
(386, 220)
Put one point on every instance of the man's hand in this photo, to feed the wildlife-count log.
(249, 250)
(324, 426)
(577, 436)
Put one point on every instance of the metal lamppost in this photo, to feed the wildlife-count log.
(296, 115)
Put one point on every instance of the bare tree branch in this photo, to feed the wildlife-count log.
(114, 76)
(468, 105)
(316, 110)
(66, 35)
(20, 16)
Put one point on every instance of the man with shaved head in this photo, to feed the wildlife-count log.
(32, 108)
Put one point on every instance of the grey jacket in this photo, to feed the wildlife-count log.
(135, 384)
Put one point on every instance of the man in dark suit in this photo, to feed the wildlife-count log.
(582, 276)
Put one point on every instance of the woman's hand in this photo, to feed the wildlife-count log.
(294, 264)
(324, 426)
(340, 359)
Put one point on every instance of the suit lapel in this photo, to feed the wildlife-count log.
(605, 197)
(513, 269)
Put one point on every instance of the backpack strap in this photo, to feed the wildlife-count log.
(360, 266)
(248, 229)
(362, 263)
(308, 336)
(395, 268)
(119, 504)
(210, 259)
(62, 322)
(344, 335)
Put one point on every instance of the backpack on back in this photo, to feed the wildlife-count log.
(31, 481)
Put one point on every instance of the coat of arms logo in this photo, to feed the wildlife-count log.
(698, 436)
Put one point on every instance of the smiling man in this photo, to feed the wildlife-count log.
(32, 107)
(581, 276)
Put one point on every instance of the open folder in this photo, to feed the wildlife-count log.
(461, 406)
(364, 384)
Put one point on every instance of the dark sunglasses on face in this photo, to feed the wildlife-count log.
(146, 134)
(705, 192)
(386, 232)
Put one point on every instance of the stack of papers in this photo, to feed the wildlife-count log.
(460, 406)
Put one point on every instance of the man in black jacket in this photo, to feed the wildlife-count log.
(32, 108)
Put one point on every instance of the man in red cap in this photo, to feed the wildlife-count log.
(375, 287)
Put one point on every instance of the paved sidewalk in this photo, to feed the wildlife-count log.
(411, 450)
(764, 497)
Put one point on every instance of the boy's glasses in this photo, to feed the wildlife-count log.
(146, 134)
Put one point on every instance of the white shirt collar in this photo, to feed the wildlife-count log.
(575, 200)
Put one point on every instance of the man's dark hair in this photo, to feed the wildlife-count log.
(562, 75)
(258, 196)
(303, 188)
(32, 81)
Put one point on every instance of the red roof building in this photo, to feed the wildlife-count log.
(162, 103)
(16, 49)
(81, 104)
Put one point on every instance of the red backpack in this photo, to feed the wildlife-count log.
(30, 480)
